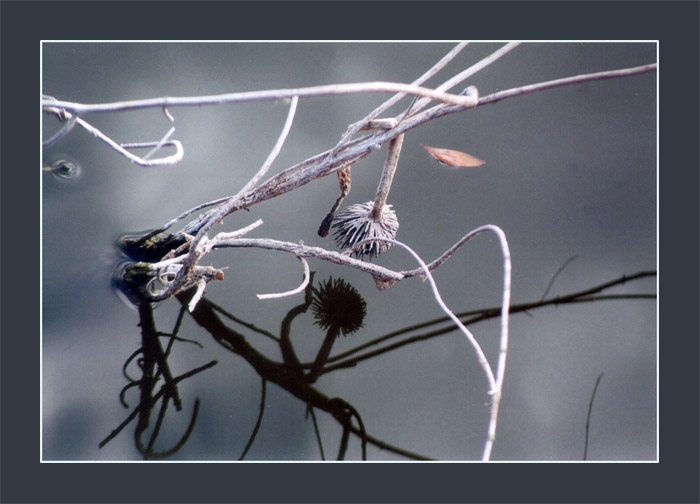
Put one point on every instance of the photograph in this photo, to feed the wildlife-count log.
(362, 251)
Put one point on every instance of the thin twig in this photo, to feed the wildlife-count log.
(474, 316)
(250, 96)
(577, 79)
(354, 128)
(160, 144)
(495, 385)
(390, 165)
(257, 422)
(122, 148)
(379, 273)
(275, 150)
(483, 361)
(296, 290)
(310, 409)
(588, 416)
(503, 346)
(556, 274)
(480, 65)
(65, 129)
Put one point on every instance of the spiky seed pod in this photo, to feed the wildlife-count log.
(338, 307)
(356, 223)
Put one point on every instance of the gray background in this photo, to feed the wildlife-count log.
(569, 172)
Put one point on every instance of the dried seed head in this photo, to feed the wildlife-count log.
(356, 223)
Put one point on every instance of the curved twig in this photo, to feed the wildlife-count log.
(310, 411)
(186, 435)
(65, 129)
(120, 148)
(296, 290)
(257, 422)
(275, 150)
(495, 383)
(483, 361)
(588, 416)
(343, 361)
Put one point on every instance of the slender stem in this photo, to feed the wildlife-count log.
(323, 352)
(495, 381)
(576, 79)
(503, 347)
(275, 150)
(257, 422)
(272, 94)
(318, 433)
(588, 417)
(392, 161)
(296, 290)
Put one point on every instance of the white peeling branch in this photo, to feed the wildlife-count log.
(304, 283)
(383, 276)
(483, 361)
(197, 296)
(120, 148)
(495, 381)
(65, 129)
(273, 94)
(503, 347)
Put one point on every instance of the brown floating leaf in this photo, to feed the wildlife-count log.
(451, 157)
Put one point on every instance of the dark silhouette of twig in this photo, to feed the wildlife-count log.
(257, 422)
(310, 411)
(154, 366)
(245, 324)
(471, 317)
(556, 274)
(588, 416)
(156, 397)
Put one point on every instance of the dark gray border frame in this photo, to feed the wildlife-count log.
(674, 479)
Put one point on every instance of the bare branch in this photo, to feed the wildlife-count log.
(383, 277)
(120, 148)
(480, 315)
(159, 145)
(275, 150)
(272, 94)
(354, 128)
(577, 79)
(419, 104)
(495, 384)
(304, 283)
(503, 347)
(65, 129)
